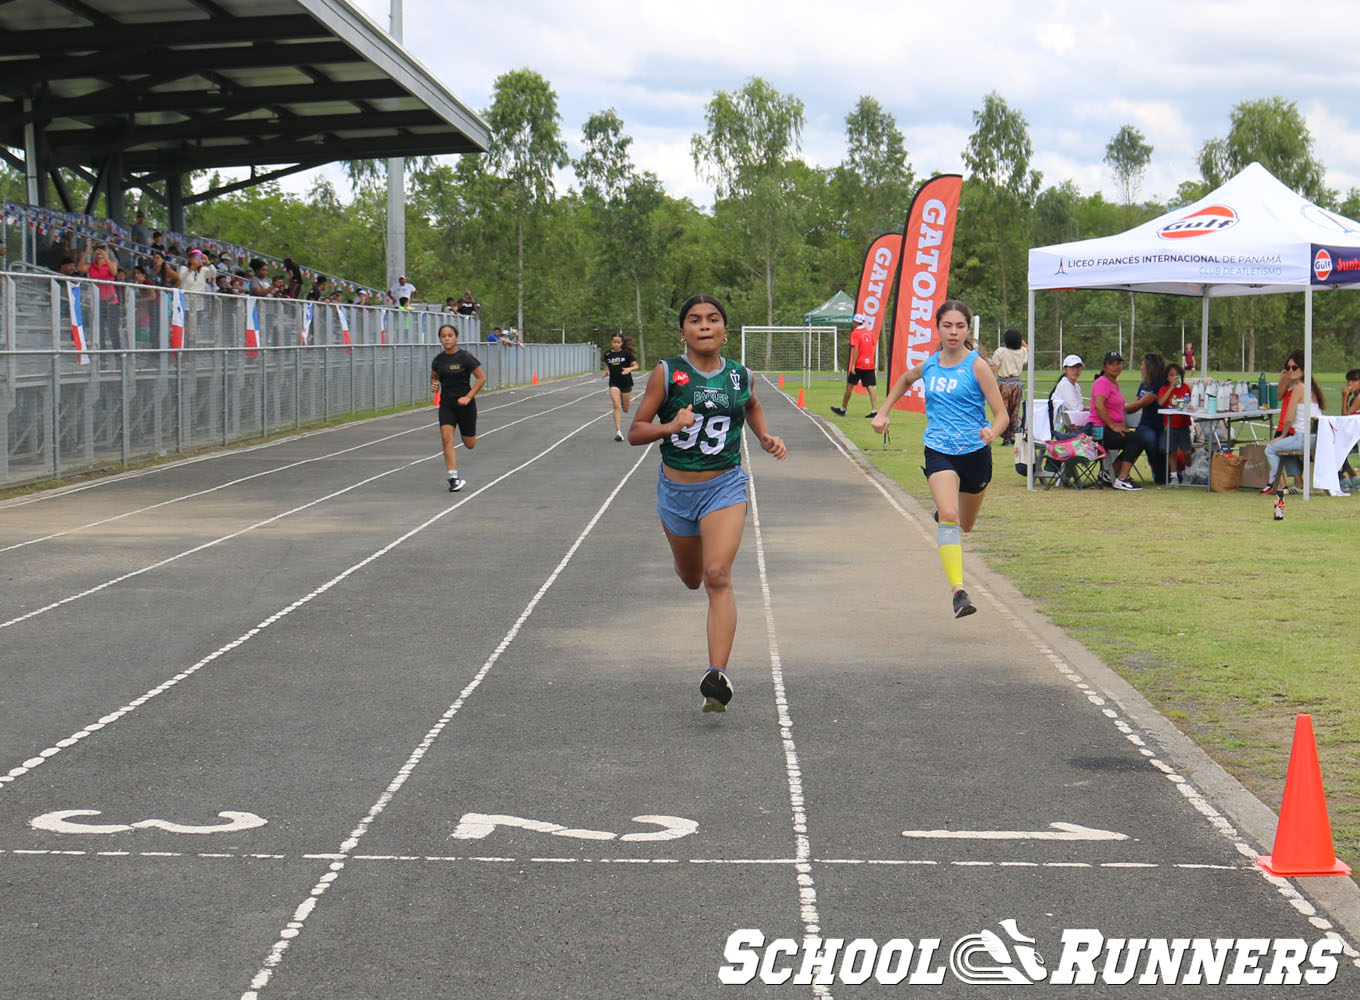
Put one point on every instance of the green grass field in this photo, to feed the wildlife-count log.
(1229, 622)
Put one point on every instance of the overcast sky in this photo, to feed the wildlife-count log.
(1173, 69)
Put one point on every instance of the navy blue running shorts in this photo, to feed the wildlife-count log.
(974, 468)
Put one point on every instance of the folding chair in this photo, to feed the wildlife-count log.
(1058, 459)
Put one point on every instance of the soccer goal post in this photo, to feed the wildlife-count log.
(794, 349)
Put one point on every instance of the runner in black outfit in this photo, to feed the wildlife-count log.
(620, 363)
(451, 376)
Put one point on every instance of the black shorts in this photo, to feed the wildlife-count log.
(974, 468)
(623, 383)
(462, 417)
(862, 376)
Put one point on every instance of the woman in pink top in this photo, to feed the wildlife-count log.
(1107, 412)
(103, 270)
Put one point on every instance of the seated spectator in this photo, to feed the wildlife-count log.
(260, 282)
(1350, 405)
(1107, 419)
(1007, 364)
(160, 273)
(1066, 398)
(1177, 425)
(1151, 424)
(1295, 429)
(467, 305)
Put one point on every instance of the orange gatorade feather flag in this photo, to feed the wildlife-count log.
(923, 281)
(876, 283)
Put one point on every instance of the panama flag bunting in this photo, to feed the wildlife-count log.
(77, 321)
(344, 327)
(306, 322)
(252, 328)
(382, 327)
(177, 320)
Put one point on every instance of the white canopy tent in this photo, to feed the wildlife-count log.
(1252, 236)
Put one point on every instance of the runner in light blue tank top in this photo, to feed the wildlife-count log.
(957, 387)
(954, 406)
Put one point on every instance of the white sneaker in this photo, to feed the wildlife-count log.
(1126, 484)
(618, 435)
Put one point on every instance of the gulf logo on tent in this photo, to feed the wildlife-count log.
(1322, 264)
(1212, 219)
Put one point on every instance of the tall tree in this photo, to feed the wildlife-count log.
(1272, 132)
(751, 139)
(998, 156)
(875, 176)
(1128, 155)
(526, 148)
(625, 203)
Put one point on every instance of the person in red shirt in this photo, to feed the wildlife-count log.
(860, 371)
(1189, 358)
(1177, 427)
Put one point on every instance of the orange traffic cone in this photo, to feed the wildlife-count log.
(436, 397)
(535, 381)
(1303, 837)
(781, 380)
(801, 404)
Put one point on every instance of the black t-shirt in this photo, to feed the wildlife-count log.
(466, 307)
(618, 361)
(454, 372)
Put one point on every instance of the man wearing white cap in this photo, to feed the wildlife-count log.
(1066, 395)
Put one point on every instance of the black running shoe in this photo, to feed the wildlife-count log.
(871, 414)
(838, 411)
(716, 689)
(456, 484)
(962, 606)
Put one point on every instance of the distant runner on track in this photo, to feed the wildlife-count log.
(958, 438)
(703, 400)
(620, 362)
(451, 375)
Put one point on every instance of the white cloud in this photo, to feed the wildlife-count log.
(1172, 68)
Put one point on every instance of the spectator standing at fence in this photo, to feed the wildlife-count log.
(494, 337)
(452, 375)
(402, 290)
(197, 277)
(1008, 363)
(293, 283)
(318, 291)
(959, 386)
(467, 305)
(703, 400)
(103, 271)
(860, 370)
(141, 232)
(158, 241)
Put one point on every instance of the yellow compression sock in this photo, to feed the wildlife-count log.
(951, 552)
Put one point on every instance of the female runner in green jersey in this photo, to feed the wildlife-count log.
(703, 400)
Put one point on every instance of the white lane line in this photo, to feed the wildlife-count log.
(60, 493)
(807, 888)
(347, 848)
(1193, 796)
(794, 863)
(70, 741)
(267, 472)
(258, 524)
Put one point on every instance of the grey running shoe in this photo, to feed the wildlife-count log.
(716, 689)
(962, 606)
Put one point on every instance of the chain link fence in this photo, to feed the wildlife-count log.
(166, 372)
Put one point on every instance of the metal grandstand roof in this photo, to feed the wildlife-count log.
(180, 85)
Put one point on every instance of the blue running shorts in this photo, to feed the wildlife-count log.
(682, 505)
